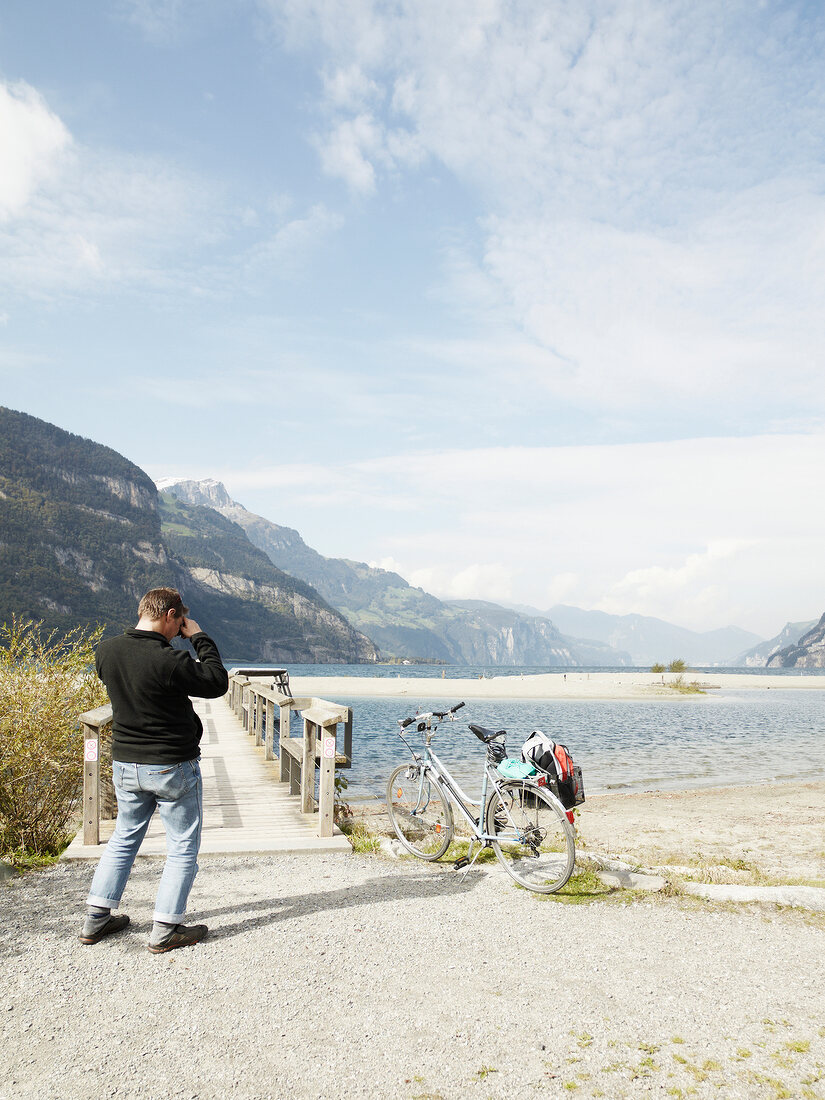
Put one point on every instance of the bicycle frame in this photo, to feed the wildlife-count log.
(458, 797)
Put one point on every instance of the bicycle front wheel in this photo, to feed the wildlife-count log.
(420, 815)
(534, 841)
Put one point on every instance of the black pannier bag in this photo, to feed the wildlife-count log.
(553, 760)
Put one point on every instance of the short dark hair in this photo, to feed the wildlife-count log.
(158, 601)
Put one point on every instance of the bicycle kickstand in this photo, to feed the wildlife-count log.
(465, 863)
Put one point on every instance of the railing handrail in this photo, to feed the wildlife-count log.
(97, 718)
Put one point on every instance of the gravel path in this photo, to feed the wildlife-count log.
(361, 976)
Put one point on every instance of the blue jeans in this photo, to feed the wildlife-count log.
(177, 791)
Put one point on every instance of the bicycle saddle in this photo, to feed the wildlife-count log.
(486, 735)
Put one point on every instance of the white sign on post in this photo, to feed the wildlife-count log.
(90, 750)
(329, 748)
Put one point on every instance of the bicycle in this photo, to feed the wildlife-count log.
(522, 821)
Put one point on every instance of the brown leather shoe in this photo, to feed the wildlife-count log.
(112, 925)
(180, 937)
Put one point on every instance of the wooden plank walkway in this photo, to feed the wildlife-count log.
(246, 810)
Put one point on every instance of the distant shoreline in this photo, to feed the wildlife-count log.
(571, 685)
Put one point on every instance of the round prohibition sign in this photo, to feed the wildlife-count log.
(329, 748)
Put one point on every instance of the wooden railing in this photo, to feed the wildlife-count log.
(254, 701)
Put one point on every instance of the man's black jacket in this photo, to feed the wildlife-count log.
(149, 684)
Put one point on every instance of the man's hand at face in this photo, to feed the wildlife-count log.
(188, 628)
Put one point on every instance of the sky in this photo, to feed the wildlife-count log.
(520, 298)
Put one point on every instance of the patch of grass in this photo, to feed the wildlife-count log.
(581, 889)
(676, 1039)
(738, 864)
(361, 836)
(459, 849)
(485, 1071)
(22, 859)
(743, 1053)
(799, 1046)
(684, 687)
(780, 1089)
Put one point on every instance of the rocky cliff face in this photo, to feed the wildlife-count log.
(298, 624)
(809, 651)
(758, 656)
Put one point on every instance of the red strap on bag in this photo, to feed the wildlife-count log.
(564, 761)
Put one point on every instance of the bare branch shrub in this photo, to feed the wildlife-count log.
(45, 683)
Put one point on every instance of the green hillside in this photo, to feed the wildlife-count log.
(81, 541)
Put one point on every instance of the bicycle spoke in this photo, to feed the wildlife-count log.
(421, 818)
(534, 841)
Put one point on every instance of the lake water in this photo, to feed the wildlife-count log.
(724, 738)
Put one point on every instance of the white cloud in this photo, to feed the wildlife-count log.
(561, 588)
(651, 172)
(288, 250)
(76, 220)
(346, 152)
(31, 140)
(476, 581)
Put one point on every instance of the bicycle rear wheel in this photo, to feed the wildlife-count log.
(534, 841)
(421, 816)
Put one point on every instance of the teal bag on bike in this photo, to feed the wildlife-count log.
(511, 768)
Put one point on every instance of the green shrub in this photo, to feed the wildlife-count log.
(45, 683)
(678, 664)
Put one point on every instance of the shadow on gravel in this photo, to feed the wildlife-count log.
(371, 892)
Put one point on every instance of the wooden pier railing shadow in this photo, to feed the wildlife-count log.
(264, 789)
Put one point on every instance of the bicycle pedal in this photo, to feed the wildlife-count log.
(459, 863)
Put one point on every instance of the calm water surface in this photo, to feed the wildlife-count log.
(725, 738)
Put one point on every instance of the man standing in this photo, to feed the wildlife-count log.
(155, 752)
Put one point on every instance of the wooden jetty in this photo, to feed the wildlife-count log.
(254, 804)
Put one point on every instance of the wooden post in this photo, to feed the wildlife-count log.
(308, 769)
(326, 792)
(286, 714)
(92, 721)
(269, 744)
(348, 737)
(91, 784)
(258, 722)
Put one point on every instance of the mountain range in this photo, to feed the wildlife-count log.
(84, 532)
(402, 620)
(649, 640)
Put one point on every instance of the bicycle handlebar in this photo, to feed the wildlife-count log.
(425, 717)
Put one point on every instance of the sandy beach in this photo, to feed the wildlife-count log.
(771, 831)
(557, 685)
